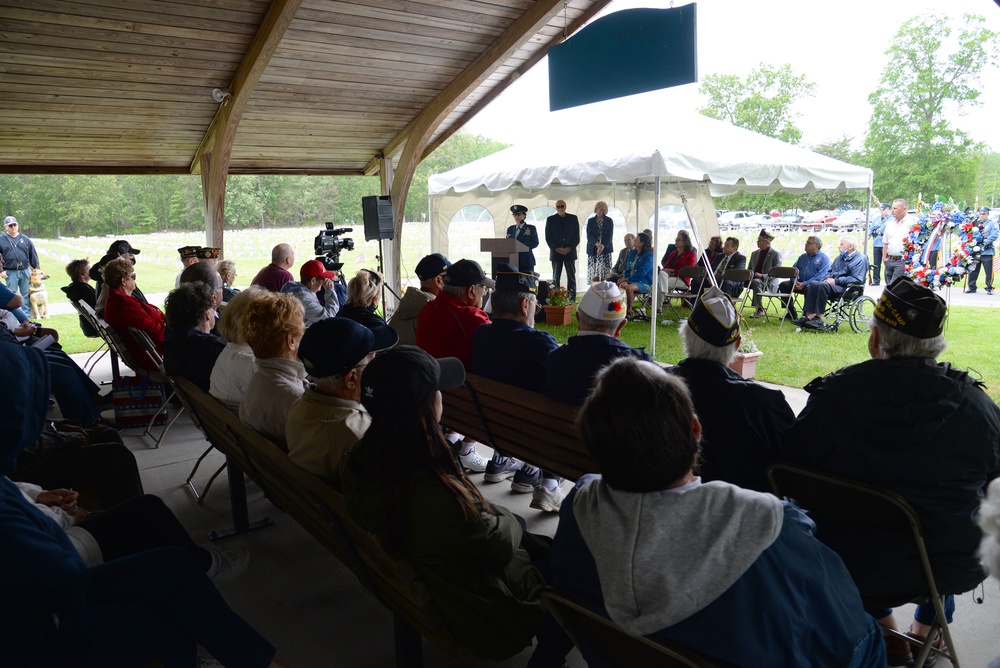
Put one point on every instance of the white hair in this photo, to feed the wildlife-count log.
(699, 348)
(894, 343)
(851, 240)
(989, 522)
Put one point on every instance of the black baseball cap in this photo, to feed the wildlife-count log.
(334, 346)
(431, 266)
(121, 247)
(401, 381)
(464, 273)
(714, 318)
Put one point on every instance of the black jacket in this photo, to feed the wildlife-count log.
(921, 429)
(562, 231)
(606, 235)
(742, 422)
(570, 369)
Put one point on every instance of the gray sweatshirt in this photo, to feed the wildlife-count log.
(663, 556)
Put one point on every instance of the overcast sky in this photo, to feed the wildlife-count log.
(839, 46)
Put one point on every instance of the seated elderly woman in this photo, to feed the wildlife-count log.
(190, 347)
(638, 274)
(227, 271)
(124, 310)
(273, 326)
(683, 255)
(363, 292)
(236, 364)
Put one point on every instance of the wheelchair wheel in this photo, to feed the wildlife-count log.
(861, 312)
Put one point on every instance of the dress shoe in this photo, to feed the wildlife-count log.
(759, 313)
(938, 644)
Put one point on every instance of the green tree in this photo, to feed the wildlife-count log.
(762, 103)
(935, 66)
(459, 149)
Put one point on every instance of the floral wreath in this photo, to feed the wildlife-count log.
(918, 243)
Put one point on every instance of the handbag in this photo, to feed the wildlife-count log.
(137, 400)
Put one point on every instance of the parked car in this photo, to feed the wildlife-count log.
(787, 222)
(849, 220)
(816, 221)
(755, 222)
(732, 219)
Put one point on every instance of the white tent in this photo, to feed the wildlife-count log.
(620, 158)
(636, 159)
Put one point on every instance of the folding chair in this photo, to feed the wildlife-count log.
(157, 374)
(779, 274)
(740, 276)
(91, 332)
(865, 507)
(695, 273)
(101, 328)
(188, 406)
(607, 639)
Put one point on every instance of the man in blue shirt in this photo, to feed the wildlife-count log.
(849, 268)
(19, 258)
(875, 230)
(990, 234)
(811, 265)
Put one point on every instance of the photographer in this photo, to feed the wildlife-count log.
(314, 277)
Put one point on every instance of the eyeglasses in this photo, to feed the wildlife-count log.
(132, 277)
(560, 206)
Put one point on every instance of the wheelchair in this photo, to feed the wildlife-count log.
(853, 306)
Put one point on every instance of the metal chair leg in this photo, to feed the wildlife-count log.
(95, 357)
(166, 428)
(194, 490)
(157, 414)
(208, 485)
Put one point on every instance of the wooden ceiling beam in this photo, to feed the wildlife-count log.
(211, 160)
(416, 135)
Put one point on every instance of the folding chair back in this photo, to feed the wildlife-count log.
(608, 640)
(778, 274)
(159, 375)
(740, 276)
(696, 274)
(857, 505)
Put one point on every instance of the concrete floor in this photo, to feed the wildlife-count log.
(313, 609)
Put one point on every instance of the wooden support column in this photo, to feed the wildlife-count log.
(211, 160)
(415, 138)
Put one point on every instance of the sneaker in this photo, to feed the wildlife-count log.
(473, 462)
(526, 479)
(500, 471)
(228, 564)
(543, 499)
(814, 323)
(970, 291)
(989, 291)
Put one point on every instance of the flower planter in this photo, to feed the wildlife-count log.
(558, 315)
(745, 364)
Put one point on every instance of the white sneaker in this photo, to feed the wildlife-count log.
(228, 564)
(543, 499)
(473, 462)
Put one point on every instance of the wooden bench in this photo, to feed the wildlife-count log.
(320, 510)
(519, 423)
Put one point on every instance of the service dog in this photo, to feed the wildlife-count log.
(38, 295)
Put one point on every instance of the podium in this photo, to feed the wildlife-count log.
(501, 250)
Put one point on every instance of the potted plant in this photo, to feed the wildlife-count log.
(558, 308)
(747, 355)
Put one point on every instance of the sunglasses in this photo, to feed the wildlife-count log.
(560, 206)
(132, 277)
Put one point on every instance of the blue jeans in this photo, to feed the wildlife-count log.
(72, 389)
(923, 614)
(18, 281)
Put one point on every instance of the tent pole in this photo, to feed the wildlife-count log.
(868, 210)
(655, 284)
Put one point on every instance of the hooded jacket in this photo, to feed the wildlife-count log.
(707, 561)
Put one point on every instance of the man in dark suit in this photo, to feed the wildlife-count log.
(527, 235)
(731, 258)
(562, 234)
(761, 262)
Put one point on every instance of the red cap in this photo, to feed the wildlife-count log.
(314, 268)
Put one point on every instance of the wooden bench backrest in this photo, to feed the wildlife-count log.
(523, 424)
(320, 509)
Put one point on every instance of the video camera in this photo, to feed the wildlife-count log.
(328, 245)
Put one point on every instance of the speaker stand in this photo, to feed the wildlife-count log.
(385, 285)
